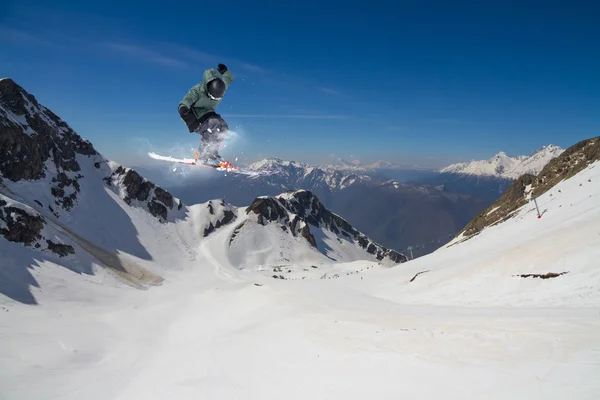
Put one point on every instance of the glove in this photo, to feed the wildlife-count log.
(183, 110)
(188, 117)
(222, 69)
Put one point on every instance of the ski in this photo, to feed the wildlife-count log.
(224, 166)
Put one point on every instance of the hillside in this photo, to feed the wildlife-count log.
(528, 187)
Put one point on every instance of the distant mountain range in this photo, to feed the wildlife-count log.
(357, 165)
(394, 213)
(503, 166)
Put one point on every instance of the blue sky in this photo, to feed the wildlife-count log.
(425, 83)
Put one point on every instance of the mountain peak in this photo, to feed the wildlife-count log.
(301, 214)
(38, 146)
(549, 149)
(32, 134)
(275, 163)
(502, 165)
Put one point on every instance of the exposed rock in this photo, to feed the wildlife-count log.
(20, 226)
(163, 196)
(157, 209)
(268, 209)
(228, 216)
(549, 275)
(62, 250)
(158, 200)
(25, 147)
(137, 187)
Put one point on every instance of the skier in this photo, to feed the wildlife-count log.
(197, 110)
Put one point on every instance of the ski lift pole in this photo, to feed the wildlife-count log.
(537, 208)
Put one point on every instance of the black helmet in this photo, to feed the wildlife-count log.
(216, 88)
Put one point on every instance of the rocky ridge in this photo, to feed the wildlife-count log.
(298, 210)
(528, 186)
(38, 147)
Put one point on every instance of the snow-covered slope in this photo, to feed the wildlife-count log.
(503, 166)
(181, 314)
(469, 317)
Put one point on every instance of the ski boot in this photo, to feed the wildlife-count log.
(209, 159)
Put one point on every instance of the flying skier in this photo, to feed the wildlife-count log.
(197, 110)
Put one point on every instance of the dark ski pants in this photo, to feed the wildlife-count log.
(212, 132)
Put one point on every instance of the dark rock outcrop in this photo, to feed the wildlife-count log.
(228, 216)
(158, 200)
(19, 226)
(268, 210)
(62, 250)
(218, 218)
(30, 134)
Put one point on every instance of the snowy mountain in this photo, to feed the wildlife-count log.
(503, 166)
(294, 223)
(295, 173)
(507, 312)
(63, 202)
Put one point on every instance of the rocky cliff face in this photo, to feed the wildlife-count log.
(157, 200)
(37, 145)
(528, 186)
(297, 211)
(30, 134)
(45, 165)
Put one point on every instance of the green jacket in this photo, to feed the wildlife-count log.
(197, 99)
